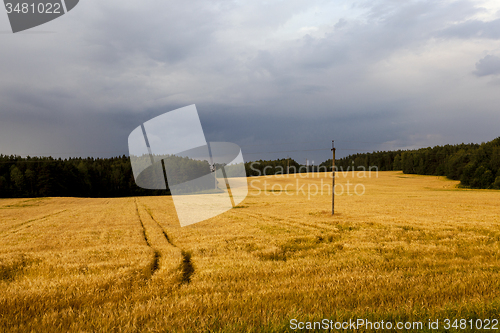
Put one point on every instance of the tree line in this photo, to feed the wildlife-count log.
(75, 177)
(273, 167)
(475, 165)
(112, 177)
(98, 177)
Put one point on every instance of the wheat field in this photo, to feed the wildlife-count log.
(403, 247)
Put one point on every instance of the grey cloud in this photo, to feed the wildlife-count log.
(392, 26)
(473, 29)
(489, 65)
(165, 31)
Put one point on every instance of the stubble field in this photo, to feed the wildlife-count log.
(410, 248)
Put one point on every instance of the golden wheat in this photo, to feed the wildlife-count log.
(410, 247)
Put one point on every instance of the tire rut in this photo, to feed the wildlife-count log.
(22, 224)
(159, 225)
(155, 263)
(186, 267)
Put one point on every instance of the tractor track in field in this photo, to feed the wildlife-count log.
(159, 225)
(24, 203)
(186, 266)
(23, 224)
(155, 263)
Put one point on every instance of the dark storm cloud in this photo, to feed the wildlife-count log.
(307, 134)
(165, 33)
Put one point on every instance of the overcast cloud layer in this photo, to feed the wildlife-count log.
(373, 75)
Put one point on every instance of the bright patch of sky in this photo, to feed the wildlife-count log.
(491, 10)
(319, 19)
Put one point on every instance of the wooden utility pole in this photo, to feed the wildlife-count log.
(333, 178)
(215, 174)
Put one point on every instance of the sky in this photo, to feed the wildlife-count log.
(278, 78)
